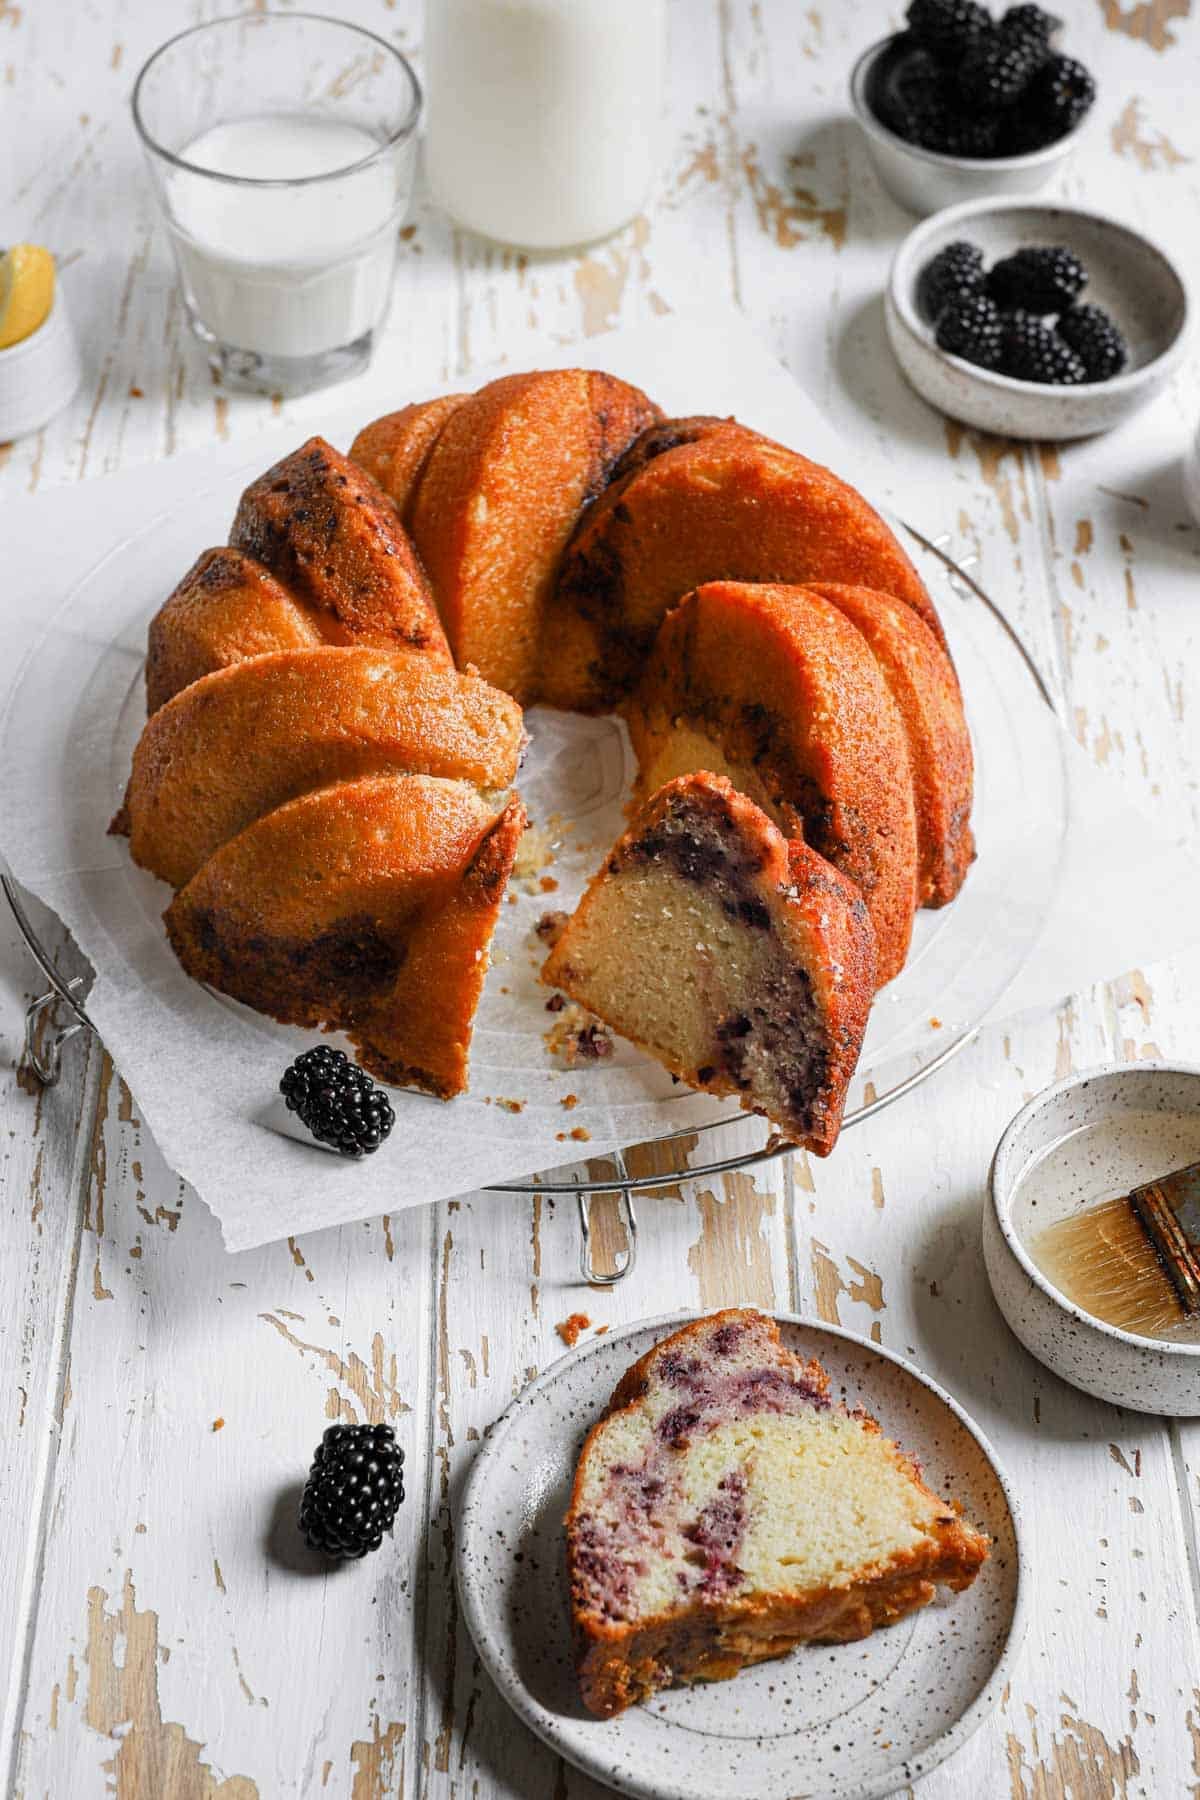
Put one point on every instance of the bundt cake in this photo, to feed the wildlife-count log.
(333, 697)
(923, 685)
(497, 499)
(726, 1510)
(329, 534)
(365, 905)
(722, 505)
(744, 963)
(247, 738)
(775, 688)
(395, 449)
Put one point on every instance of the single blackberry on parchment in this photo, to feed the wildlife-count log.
(353, 1491)
(337, 1101)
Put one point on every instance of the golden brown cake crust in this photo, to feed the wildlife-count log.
(328, 533)
(309, 914)
(226, 608)
(394, 449)
(819, 915)
(501, 491)
(923, 685)
(620, 1664)
(247, 738)
(726, 504)
(791, 691)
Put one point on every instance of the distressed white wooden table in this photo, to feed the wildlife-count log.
(161, 1398)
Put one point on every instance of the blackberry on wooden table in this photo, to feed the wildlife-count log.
(353, 1491)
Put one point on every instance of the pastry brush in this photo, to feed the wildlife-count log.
(1133, 1261)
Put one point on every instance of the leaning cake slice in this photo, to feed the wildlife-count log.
(725, 1510)
(743, 962)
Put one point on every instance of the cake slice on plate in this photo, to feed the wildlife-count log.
(725, 1510)
(743, 962)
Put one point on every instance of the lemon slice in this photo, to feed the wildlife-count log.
(26, 291)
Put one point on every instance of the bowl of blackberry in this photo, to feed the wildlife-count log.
(965, 103)
(1045, 322)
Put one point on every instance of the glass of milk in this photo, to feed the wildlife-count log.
(282, 149)
(544, 115)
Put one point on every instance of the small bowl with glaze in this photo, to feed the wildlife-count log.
(1115, 1127)
(925, 181)
(1129, 275)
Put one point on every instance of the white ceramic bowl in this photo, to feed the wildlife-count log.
(1117, 1126)
(40, 374)
(1129, 275)
(925, 181)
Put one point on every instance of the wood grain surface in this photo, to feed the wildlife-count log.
(165, 1636)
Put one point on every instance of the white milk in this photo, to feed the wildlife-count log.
(285, 271)
(544, 114)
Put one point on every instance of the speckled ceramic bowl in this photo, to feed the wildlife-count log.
(1116, 1127)
(923, 180)
(845, 1721)
(1130, 277)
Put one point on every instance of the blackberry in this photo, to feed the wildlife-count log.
(337, 1101)
(1029, 25)
(1096, 339)
(971, 329)
(996, 72)
(954, 133)
(1043, 279)
(1060, 95)
(947, 27)
(951, 275)
(1030, 351)
(353, 1491)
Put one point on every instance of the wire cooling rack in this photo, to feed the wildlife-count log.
(58, 1014)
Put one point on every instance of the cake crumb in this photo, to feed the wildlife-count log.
(512, 899)
(511, 1106)
(581, 1135)
(218, 1424)
(550, 927)
(568, 1101)
(600, 1330)
(547, 883)
(936, 1024)
(578, 1036)
(569, 1329)
(555, 1003)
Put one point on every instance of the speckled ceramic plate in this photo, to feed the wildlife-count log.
(842, 1722)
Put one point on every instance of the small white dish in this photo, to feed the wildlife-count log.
(924, 181)
(1113, 1128)
(1129, 276)
(39, 375)
(849, 1721)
